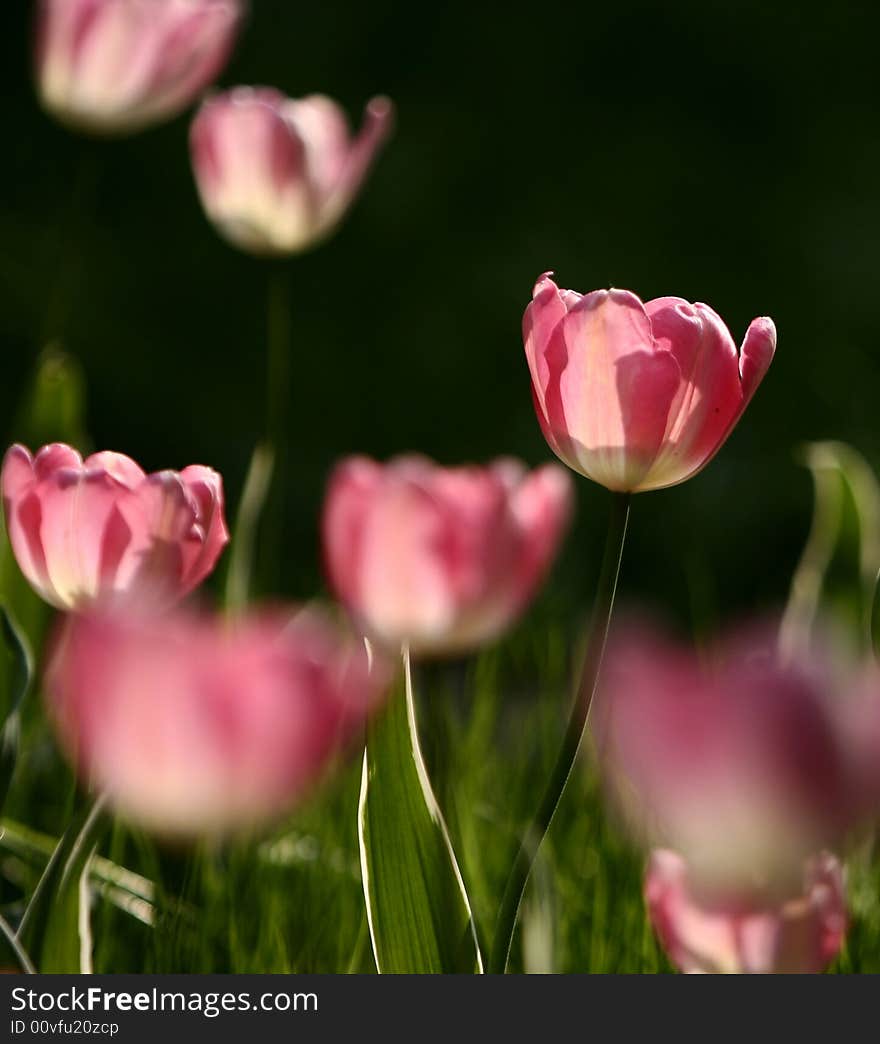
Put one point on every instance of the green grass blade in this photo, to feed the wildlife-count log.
(55, 927)
(16, 672)
(418, 910)
(11, 949)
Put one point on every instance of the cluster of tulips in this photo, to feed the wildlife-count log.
(744, 774)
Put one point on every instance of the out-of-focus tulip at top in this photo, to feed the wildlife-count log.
(276, 174)
(745, 765)
(114, 66)
(87, 530)
(800, 934)
(637, 396)
(441, 559)
(194, 724)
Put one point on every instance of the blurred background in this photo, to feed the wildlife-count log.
(723, 153)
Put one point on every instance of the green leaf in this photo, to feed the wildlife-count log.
(16, 671)
(247, 521)
(53, 408)
(55, 929)
(130, 892)
(839, 566)
(418, 910)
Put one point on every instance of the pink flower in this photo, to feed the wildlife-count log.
(191, 724)
(801, 934)
(637, 396)
(440, 559)
(88, 530)
(745, 765)
(113, 66)
(276, 175)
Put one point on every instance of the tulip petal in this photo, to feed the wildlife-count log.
(250, 166)
(541, 504)
(346, 505)
(192, 726)
(77, 507)
(611, 388)
(17, 474)
(118, 65)
(710, 394)
(543, 314)
(205, 488)
(799, 935)
(403, 580)
(376, 128)
(756, 354)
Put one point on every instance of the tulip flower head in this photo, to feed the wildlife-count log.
(745, 766)
(194, 725)
(275, 174)
(84, 531)
(440, 559)
(115, 66)
(801, 934)
(637, 396)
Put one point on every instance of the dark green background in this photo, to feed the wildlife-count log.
(722, 152)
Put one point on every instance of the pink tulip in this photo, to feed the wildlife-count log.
(440, 559)
(637, 396)
(276, 175)
(801, 934)
(746, 766)
(84, 531)
(114, 66)
(194, 725)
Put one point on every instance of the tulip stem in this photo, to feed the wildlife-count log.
(537, 830)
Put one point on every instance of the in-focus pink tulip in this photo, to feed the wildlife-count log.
(193, 724)
(746, 765)
(112, 66)
(800, 935)
(440, 559)
(274, 174)
(84, 531)
(637, 396)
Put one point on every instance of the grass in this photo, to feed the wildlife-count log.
(289, 899)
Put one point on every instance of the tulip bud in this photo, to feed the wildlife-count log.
(86, 531)
(745, 765)
(275, 175)
(193, 725)
(440, 559)
(799, 935)
(114, 66)
(637, 396)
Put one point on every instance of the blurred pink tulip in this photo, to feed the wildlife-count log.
(800, 935)
(83, 531)
(114, 66)
(441, 559)
(194, 725)
(746, 766)
(637, 396)
(274, 174)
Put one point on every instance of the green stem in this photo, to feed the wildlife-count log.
(531, 842)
